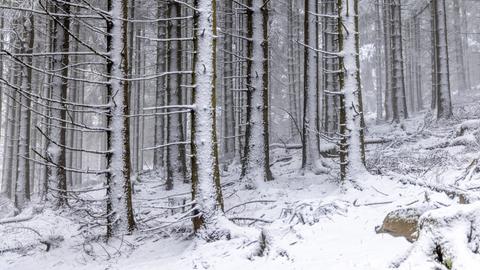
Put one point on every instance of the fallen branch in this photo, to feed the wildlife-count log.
(466, 197)
(251, 219)
(15, 220)
(355, 203)
(250, 202)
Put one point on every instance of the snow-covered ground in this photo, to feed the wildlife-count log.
(308, 221)
(339, 233)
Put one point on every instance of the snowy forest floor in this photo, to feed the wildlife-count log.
(310, 221)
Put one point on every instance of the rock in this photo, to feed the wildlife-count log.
(402, 223)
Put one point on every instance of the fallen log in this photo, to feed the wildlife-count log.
(15, 220)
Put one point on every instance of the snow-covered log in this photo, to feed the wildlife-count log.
(449, 238)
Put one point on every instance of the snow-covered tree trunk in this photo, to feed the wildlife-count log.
(407, 33)
(158, 154)
(10, 149)
(292, 92)
(256, 167)
(23, 170)
(119, 193)
(298, 59)
(22, 190)
(57, 175)
(330, 66)
(418, 65)
(378, 59)
(398, 74)
(310, 153)
(228, 142)
(387, 26)
(266, 90)
(464, 22)
(2, 22)
(206, 190)
(16, 128)
(461, 72)
(351, 110)
(78, 95)
(176, 153)
(137, 97)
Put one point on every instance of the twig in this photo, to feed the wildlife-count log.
(250, 202)
(251, 219)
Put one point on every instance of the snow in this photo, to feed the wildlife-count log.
(422, 169)
(335, 234)
(307, 221)
(450, 227)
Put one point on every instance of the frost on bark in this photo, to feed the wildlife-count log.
(255, 166)
(206, 189)
(119, 193)
(351, 113)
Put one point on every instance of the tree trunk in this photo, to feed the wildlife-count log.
(378, 61)
(310, 153)
(119, 192)
(256, 141)
(158, 157)
(22, 190)
(57, 137)
(206, 189)
(351, 147)
(176, 153)
(441, 66)
(461, 73)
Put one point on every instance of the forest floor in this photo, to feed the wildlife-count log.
(309, 221)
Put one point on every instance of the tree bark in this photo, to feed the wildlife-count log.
(120, 219)
(206, 189)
